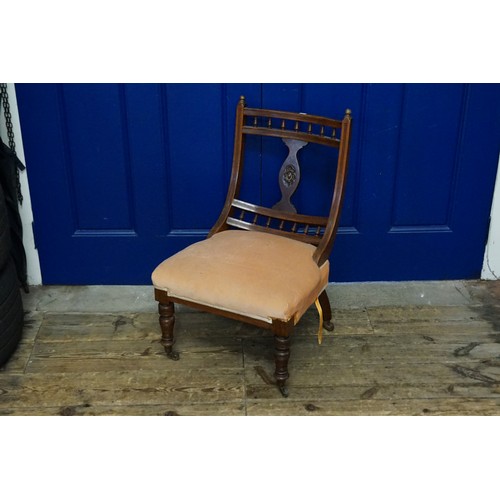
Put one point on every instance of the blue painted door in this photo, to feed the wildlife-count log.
(124, 175)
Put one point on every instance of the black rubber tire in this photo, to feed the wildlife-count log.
(11, 312)
(5, 242)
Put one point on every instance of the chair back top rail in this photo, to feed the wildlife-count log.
(288, 115)
(285, 124)
(291, 134)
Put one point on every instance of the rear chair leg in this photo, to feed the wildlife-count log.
(281, 356)
(167, 321)
(327, 311)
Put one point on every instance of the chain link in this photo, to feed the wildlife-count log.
(10, 133)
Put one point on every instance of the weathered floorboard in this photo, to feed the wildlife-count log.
(378, 350)
(194, 409)
(381, 407)
(121, 388)
(425, 374)
(122, 355)
(19, 360)
(429, 319)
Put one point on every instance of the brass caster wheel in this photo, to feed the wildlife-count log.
(328, 325)
(284, 390)
(174, 355)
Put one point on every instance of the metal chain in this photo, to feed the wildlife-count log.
(10, 133)
(8, 116)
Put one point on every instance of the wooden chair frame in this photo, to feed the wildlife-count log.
(319, 231)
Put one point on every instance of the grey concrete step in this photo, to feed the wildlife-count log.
(342, 296)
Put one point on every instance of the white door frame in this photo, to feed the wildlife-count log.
(25, 210)
(491, 262)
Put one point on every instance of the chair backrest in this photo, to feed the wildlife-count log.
(296, 130)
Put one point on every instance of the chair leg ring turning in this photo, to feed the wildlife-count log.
(167, 321)
(281, 356)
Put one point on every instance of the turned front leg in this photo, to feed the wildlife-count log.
(281, 357)
(167, 321)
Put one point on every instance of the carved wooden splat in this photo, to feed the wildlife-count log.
(289, 176)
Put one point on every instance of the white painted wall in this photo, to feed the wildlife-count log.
(491, 263)
(34, 272)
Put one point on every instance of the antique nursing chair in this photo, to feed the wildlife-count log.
(263, 266)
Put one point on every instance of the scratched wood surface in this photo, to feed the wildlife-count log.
(412, 360)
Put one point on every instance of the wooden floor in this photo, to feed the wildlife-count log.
(405, 360)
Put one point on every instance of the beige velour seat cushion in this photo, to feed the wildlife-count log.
(251, 273)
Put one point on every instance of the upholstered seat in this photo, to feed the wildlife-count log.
(254, 274)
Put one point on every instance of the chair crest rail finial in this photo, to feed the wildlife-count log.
(242, 99)
(348, 113)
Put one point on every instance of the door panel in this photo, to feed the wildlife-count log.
(425, 143)
(427, 154)
(97, 157)
(196, 173)
(124, 175)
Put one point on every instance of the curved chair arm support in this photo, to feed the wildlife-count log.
(324, 248)
(236, 171)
